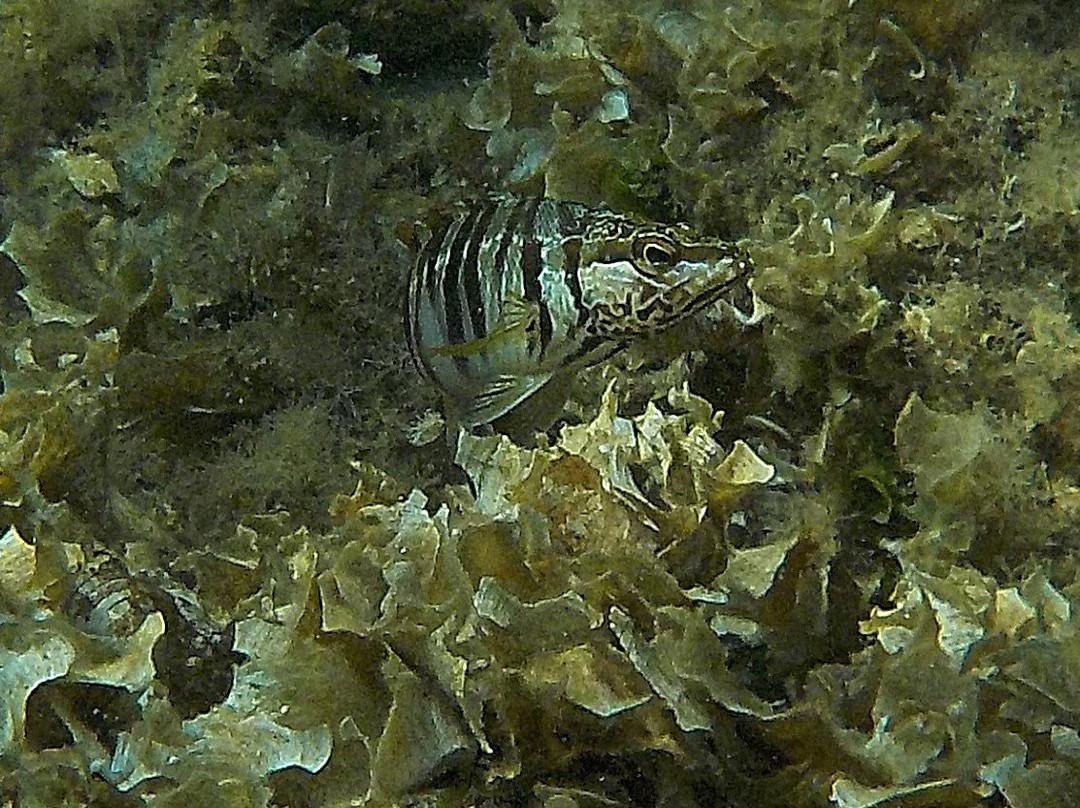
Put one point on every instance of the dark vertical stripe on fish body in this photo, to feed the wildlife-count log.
(530, 279)
(505, 237)
(423, 286)
(455, 261)
(517, 222)
(569, 218)
(409, 322)
(471, 271)
(442, 262)
(530, 267)
(428, 278)
(571, 264)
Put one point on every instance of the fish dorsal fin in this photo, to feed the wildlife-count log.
(500, 396)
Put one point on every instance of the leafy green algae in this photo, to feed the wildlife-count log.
(825, 559)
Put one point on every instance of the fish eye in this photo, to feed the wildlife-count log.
(657, 253)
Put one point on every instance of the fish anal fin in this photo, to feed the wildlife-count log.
(537, 412)
(499, 397)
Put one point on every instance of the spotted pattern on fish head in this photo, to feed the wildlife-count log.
(637, 279)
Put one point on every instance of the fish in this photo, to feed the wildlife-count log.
(512, 293)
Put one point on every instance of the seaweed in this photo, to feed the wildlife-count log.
(823, 555)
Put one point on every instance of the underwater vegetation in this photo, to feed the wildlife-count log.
(825, 558)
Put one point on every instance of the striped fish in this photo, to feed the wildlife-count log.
(511, 293)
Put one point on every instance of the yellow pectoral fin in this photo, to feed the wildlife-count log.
(519, 316)
(474, 346)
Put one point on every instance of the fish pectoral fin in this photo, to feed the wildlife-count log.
(474, 346)
(500, 396)
(518, 318)
(468, 348)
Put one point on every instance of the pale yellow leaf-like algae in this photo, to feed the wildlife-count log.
(656, 670)
(595, 679)
(90, 174)
(133, 669)
(743, 467)
(24, 246)
(753, 570)
(421, 741)
(49, 658)
(17, 565)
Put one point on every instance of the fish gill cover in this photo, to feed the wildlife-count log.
(825, 559)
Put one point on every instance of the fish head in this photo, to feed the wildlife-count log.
(638, 280)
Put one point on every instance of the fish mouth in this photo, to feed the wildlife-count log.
(701, 300)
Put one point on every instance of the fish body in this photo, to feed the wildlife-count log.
(510, 293)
